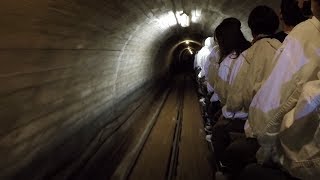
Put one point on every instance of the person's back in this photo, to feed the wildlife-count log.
(212, 60)
(284, 114)
(213, 72)
(231, 44)
(204, 55)
(300, 134)
(211, 68)
(298, 63)
(223, 76)
(246, 75)
(258, 63)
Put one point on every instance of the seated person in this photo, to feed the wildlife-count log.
(212, 104)
(257, 71)
(232, 43)
(298, 151)
(290, 16)
(297, 64)
(249, 72)
(202, 57)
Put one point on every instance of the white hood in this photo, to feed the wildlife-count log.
(209, 42)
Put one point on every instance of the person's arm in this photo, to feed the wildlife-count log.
(300, 132)
(276, 97)
(235, 98)
(221, 83)
(207, 67)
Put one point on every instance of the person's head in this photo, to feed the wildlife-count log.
(263, 20)
(305, 6)
(230, 38)
(209, 42)
(290, 12)
(315, 7)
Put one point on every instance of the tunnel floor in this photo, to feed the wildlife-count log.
(176, 147)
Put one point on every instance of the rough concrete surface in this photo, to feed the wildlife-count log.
(68, 69)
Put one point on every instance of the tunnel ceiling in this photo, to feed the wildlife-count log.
(204, 16)
(114, 25)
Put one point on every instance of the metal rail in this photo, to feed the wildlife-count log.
(137, 151)
(174, 156)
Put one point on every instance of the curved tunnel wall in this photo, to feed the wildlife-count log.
(64, 63)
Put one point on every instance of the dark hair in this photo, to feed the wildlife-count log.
(263, 20)
(306, 9)
(230, 39)
(316, 12)
(291, 13)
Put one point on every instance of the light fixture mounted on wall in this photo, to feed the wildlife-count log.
(183, 18)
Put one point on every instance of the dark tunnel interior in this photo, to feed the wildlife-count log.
(73, 71)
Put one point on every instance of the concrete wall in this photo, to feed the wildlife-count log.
(67, 65)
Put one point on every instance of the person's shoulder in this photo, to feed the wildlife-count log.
(267, 43)
(263, 47)
(308, 27)
(226, 61)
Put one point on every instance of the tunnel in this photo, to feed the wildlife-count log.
(73, 73)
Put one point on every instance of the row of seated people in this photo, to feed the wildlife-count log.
(267, 90)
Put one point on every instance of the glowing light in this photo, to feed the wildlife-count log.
(167, 20)
(187, 42)
(196, 15)
(183, 19)
(190, 51)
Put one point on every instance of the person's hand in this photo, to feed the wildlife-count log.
(268, 148)
(264, 155)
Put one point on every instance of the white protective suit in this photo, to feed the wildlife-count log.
(212, 60)
(227, 72)
(299, 137)
(204, 56)
(195, 62)
(297, 62)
